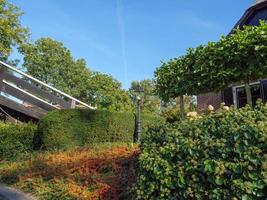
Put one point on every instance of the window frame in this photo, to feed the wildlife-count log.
(234, 90)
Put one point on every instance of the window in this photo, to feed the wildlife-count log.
(240, 98)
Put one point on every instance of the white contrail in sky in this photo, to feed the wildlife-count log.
(119, 10)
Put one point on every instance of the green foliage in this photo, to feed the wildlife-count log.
(63, 129)
(78, 174)
(247, 50)
(150, 102)
(51, 62)
(105, 92)
(15, 139)
(12, 33)
(168, 83)
(219, 156)
(240, 57)
(171, 110)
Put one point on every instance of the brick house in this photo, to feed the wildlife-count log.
(236, 94)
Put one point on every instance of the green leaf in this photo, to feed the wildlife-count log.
(219, 180)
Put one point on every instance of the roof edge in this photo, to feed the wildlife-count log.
(249, 12)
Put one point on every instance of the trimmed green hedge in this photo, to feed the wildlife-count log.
(219, 156)
(63, 129)
(15, 139)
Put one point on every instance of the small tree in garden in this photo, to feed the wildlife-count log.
(247, 54)
(240, 57)
(150, 102)
(209, 69)
(168, 82)
(171, 110)
(178, 77)
(185, 76)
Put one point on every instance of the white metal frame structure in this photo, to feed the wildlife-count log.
(9, 83)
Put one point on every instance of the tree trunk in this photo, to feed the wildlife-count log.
(248, 94)
(182, 107)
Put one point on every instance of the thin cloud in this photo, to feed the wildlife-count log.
(191, 19)
(119, 12)
(66, 28)
(197, 21)
(96, 45)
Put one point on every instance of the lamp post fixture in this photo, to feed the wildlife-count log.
(137, 134)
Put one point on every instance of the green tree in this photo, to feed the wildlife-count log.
(171, 110)
(12, 32)
(171, 80)
(106, 93)
(149, 101)
(237, 58)
(246, 53)
(49, 61)
(240, 57)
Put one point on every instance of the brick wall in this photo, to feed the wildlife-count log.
(204, 100)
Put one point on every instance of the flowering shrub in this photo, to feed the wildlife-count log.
(210, 108)
(222, 155)
(89, 174)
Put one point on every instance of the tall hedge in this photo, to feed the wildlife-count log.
(63, 129)
(219, 156)
(15, 139)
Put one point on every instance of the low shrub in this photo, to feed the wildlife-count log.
(64, 129)
(15, 139)
(217, 156)
(104, 172)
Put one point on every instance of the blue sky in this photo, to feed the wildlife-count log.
(129, 38)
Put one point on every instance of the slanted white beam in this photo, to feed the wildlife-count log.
(46, 85)
(29, 94)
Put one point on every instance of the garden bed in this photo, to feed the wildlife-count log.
(106, 171)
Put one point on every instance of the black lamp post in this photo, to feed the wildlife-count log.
(137, 134)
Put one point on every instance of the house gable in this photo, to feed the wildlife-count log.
(256, 17)
(253, 15)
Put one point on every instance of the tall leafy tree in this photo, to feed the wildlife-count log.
(106, 93)
(12, 32)
(51, 62)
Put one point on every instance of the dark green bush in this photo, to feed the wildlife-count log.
(64, 129)
(219, 156)
(15, 139)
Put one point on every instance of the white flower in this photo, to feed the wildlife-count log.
(192, 114)
(210, 108)
(226, 108)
